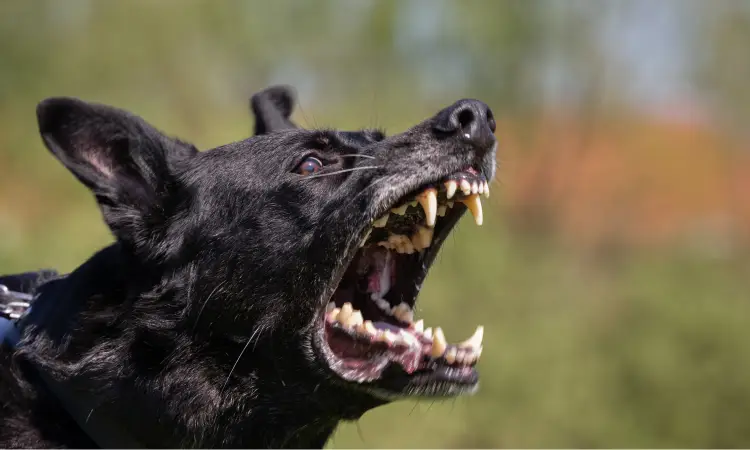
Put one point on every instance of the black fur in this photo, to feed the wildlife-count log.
(197, 327)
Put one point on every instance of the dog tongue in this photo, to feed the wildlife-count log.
(386, 326)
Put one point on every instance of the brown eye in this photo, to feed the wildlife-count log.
(309, 166)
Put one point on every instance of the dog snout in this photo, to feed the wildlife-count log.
(471, 120)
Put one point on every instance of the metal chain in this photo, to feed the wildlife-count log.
(13, 304)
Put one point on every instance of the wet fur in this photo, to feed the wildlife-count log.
(196, 328)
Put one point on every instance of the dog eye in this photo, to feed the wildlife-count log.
(309, 166)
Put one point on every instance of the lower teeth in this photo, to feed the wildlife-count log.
(432, 344)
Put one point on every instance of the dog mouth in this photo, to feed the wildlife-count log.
(368, 328)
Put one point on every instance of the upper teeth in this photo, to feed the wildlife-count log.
(474, 204)
(380, 223)
(465, 187)
(428, 200)
(450, 188)
(400, 210)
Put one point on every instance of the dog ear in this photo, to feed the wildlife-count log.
(127, 164)
(272, 108)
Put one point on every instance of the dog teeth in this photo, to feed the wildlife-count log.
(422, 238)
(380, 223)
(474, 187)
(442, 210)
(428, 200)
(481, 187)
(475, 341)
(400, 210)
(486, 190)
(333, 314)
(369, 328)
(449, 204)
(345, 313)
(465, 187)
(355, 319)
(389, 337)
(450, 355)
(403, 312)
(450, 188)
(465, 353)
(438, 343)
(475, 206)
(381, 302)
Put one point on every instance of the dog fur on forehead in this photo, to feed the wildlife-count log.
(193, 329)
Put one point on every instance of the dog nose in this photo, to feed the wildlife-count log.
(468, 119)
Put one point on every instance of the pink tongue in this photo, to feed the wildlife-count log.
(373, 281)
(386, 326)
(381, 275)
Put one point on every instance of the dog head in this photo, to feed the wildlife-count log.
(276, 276)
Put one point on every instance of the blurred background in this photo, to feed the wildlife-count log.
(612, 273)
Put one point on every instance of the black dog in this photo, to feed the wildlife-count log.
(257, 293)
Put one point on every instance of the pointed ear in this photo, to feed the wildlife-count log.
(272, 108)
(127, 164)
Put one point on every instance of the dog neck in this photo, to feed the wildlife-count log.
(160, 392)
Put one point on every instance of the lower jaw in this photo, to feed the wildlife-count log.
(393, 375)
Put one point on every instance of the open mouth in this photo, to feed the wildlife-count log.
(369, 328)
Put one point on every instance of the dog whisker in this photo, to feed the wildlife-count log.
(341, 171)
(357, 155)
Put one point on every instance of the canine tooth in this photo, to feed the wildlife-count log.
(345, 313)
(450, 188)
(403, 312)
(419, 325)
(333, 314)
(465, 187)
(441, 211)
(428, 333)
(381, 302)
(474, 187)
(380, 223)
(428, 200)
(400, 210)
(475, 341)
(425, 236)
(355, 319)
(438, 343)
(475, 206)
(450, 355)
(408, 338)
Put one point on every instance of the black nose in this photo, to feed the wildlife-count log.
(469, 119)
